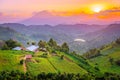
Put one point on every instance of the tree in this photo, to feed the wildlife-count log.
(33, 43)
(52, 43)
(65, 47)
(118, 62)
(5, 47)
(28, 43)
(111, 60)
(42, 44)
(62, 57)
(21, 61)
(9, 44)
(92, 53)
(118, 41)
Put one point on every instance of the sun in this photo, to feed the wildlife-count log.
(97, 8)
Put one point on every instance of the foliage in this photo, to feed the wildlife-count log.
(21, 62)
(33, 43)
(16, 75)
(118, 62)
(5, 47)
(118, 41)
(10, 44)
(65, 47)
(42, 44)
(92, 53)
(62, 57)
(52, 43)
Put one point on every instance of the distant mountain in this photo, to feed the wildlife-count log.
(98, 38)
(8, 33)
(61, 33)
(93, 35)
(46, 17)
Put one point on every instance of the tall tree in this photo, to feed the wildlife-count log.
(42, 44)
(65, 47)
(12, 43)
(33, 43)
(52, 43)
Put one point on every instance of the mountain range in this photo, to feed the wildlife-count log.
(80, 37)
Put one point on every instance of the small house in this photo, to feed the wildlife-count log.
(32, 48)
(28, 57)
(17, 48)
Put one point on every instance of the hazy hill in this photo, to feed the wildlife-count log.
(8, 33)
(104, 36)
(94, 35)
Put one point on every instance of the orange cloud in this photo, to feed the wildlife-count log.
(113, 14)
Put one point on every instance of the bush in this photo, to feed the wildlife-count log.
(62, 57)
(118, 62)
(21, 62)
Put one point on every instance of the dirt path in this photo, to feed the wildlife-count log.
(68, 59)
(24, 65)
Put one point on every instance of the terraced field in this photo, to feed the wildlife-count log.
(103, 62)
(10, 60)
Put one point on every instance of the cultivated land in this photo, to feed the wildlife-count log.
(103, 61)
(53, 63)
(10, 60)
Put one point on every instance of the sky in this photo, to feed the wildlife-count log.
(104, 9)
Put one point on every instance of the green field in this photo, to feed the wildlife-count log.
(103, 63)
(65, 65)
(10, 60)
(42, 65)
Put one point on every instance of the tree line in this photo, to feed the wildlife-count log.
(52, 46)
(16, 75)
(97, 51)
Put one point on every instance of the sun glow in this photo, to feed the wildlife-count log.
(97, 8)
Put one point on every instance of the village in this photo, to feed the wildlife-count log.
(43, 50)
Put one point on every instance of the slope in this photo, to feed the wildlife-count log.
(107, 61)
(8, 33)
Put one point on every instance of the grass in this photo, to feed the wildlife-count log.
(103, 61)
(42, 65)
(9, 60)
(66, 66)
(83, 63)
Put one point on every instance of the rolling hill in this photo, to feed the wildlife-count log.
(98, 38)
(94, 35)
(103, 62)
(61, 33)
(8, 33)
(10, 60)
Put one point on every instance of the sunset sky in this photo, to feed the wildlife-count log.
(103, 9)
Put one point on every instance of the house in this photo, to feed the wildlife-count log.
(28, 57)
(32, 48)
(17, 48)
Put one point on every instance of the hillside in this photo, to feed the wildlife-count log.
(61, 33)
(10, 60)
(8, 33)
(94, 35)
(98, 38)
(107, 61)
